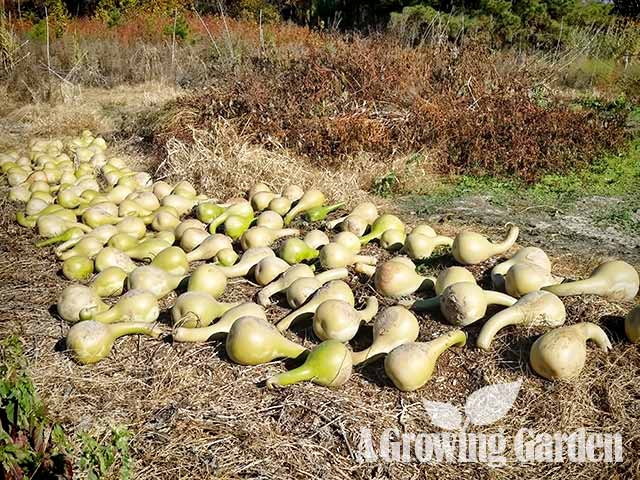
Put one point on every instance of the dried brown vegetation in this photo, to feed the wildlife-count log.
(470, 111)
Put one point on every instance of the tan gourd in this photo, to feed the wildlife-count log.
(338, 320)
(614, 280)
(336, 289)
(470, 248)
(222, 326)
(533, 310)
(411, 365)
(392, 327)
(561, 353)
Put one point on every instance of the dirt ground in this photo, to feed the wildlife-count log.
(194, 414)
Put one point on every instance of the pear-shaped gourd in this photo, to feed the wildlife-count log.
(393, 240)
(293, 193)
(349, 241)
(208, 211)
(161, 189)
(529, 255)
(523, 278)
(336, 289)
(328, 364)
(447, 277)
(335, 255)
(253, 341)
(295, 250)
(397, 279)
(235, 226)
(109, 282)
(366, 211)
(419, 246)
(210, 247)
(470, 248)
(164, 219)
(280, 206)
(101, 214)
(290, 275)
(392, 327)
(74, 298)
(185, 225)
(303, 288)
(264, 237)
(192, 238)
(131, 208)
(197, 309)
(250, 258)
(316, 239)
(133, 306)
(464, 303)
(381, 225)
(356, 224)
(123, 241)
(222, 326)
(310, 199)
(77, 268)
(112, 257)
(154, 279)
(242, 209)
(87, 247)
(209, 279)
(317, 214)
(90, 341)
(260, 200)
(227, 257)
(257, 188)
(172, 260)
(270, 219)
(614, 280)
(411, 365)
(533, 310)
(181, 204)
(337, 320)
(561, 353)
(268, 269)
(632, 325)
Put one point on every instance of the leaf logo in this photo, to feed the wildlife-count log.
(483, 407)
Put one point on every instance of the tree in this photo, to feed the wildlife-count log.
(628, 8)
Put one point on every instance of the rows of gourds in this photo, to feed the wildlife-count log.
(117, 231)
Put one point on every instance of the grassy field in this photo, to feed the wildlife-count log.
(460, 137)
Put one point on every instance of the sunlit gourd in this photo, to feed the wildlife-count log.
(561, 353)
(411, 365)
(470, 248)
(532, 310)
(392, 327)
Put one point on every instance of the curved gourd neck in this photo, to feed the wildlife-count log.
(333, 274)
(438, 346)
(370, 310)
(593, 332)
(498, 298)
(507, 243)
(509, 316)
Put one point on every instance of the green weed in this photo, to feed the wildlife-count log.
(30, 442)
(98, 458)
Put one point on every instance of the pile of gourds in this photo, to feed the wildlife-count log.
(117, 231)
